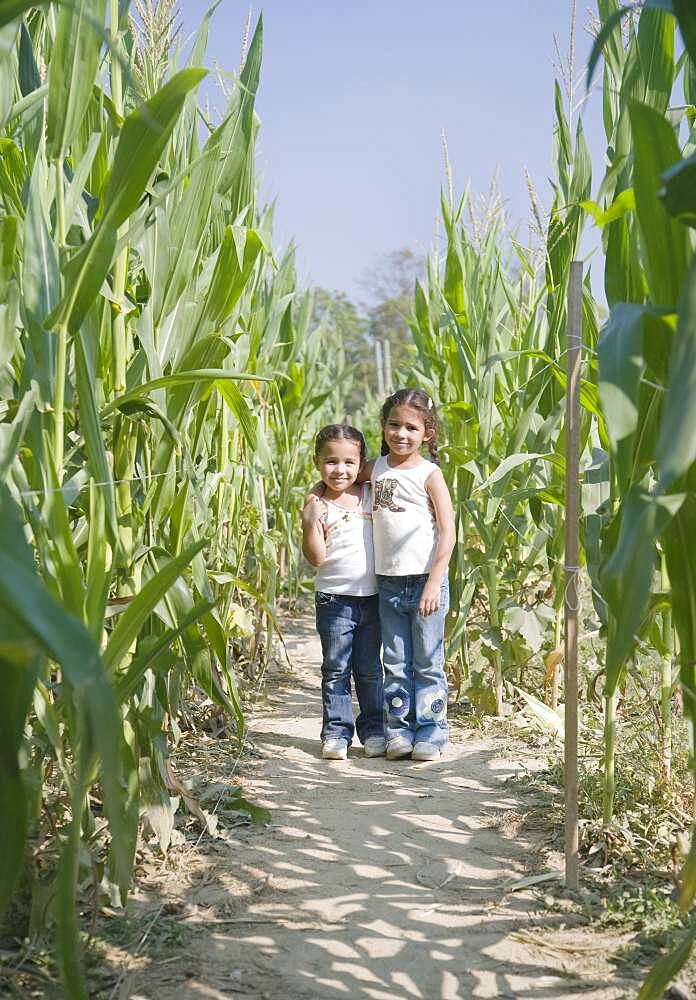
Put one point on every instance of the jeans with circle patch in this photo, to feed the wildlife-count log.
(350, 641)
(415, 686)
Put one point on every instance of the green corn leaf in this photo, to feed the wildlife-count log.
(680, 550)
(624, 280)
(200, 44)
(179, 605)
(64, 555)
(8, 242)
(17, 430)
(200, 375)
(8, 38)
(127, 681)
(563, 149)
(40, 277)
(676, 448)
(453, 288)
(49, 718)
(228, 147)
(231, 275)
(233, 165)
(658, 336)
(627, 576)
(621, 367)
(580, 183)
(508, 465)
(666, 968)
(65, 639)
(622, 203)
(12, 10)
(143, 138)
(98, 574)
(12, 175)
(239, 406)
(656, 53)
(19, 668)
(29, 76)
(91, 429)
(589, 393)
(686, 18)
(678, 194)
(73, 67)
(610, 25)
(143, 604)
(688, 878)
(76, 190)
(666, 241)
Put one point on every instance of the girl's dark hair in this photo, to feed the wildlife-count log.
(420, 401)
(339, 432)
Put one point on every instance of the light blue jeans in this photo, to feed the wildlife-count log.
(415, 686)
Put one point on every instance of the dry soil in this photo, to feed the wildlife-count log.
(374, 879)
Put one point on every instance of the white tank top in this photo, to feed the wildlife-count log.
(349, 567)
(405, 530)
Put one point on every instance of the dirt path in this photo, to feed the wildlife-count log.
(375, 879)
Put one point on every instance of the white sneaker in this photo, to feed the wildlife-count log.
(375, 746)
(334, 748)
(425, 751)
(399, 747)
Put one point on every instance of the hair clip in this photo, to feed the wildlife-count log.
(430, 403)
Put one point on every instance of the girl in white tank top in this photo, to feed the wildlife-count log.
(337, 540)
(413, 527)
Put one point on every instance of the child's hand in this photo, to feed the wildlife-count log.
(313, 510)
(430, 599)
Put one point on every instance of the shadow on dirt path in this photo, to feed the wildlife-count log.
(375, 879)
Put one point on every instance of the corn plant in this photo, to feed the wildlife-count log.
(142, 326)
(490, 343)
(647, 363)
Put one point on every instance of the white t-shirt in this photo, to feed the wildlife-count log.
(405, 529)
(349, 567)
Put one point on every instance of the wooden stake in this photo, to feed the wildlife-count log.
(386, 353)
(379, 362)
(572, 555)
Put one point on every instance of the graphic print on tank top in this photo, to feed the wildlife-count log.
(384, 495)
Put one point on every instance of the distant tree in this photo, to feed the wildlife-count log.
(388, 286)
(342, 318)
(390, 277)
(374, 333)
(348, 327)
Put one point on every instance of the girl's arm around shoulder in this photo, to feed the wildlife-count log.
(313, 537)
(436, 488)
(365, 474)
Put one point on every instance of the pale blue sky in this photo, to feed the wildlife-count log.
(352, 100)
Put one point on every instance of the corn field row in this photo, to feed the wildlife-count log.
(160, 389)
(161, 380)
(490, 323)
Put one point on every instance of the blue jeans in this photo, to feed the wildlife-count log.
(415, 686)
(350, 642)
